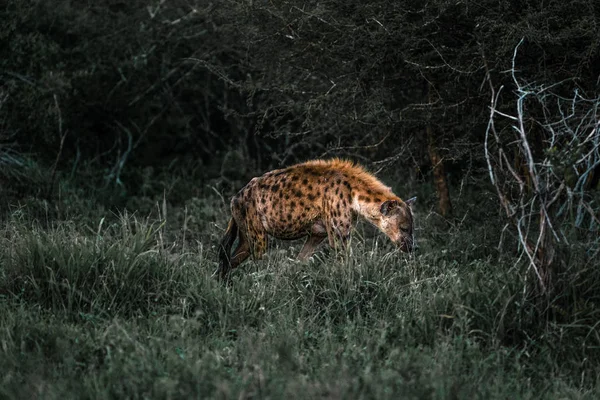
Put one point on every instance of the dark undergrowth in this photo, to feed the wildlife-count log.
(120, 306)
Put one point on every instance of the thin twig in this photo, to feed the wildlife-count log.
(62, 136)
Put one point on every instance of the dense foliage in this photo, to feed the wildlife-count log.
(147, 82)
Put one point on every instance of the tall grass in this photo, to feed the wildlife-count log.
(108, 309)
(116, 270)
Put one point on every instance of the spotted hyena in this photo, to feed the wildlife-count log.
(319, 199)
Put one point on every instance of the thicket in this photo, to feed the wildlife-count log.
(145, 83)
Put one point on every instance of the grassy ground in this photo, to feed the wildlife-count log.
(120, 306)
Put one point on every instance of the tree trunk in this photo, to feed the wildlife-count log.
(439, 172)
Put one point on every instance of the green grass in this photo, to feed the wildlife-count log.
(123, 307)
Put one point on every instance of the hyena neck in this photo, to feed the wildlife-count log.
(369, 206)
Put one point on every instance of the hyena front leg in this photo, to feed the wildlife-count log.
(318, 233)
(338, 230)
(310, 246)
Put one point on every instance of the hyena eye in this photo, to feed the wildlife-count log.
(404, 229)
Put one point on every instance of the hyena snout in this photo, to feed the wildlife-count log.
(407, 244)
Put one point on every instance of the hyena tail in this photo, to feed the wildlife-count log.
(231, 234)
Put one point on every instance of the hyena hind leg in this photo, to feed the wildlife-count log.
(240, 254)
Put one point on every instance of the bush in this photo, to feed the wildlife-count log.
(546, 177)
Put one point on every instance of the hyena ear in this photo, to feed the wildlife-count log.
(411, 201)
(388, 207)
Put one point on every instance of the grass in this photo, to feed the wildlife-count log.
(124, 307)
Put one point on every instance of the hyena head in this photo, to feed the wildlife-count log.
(397, 223)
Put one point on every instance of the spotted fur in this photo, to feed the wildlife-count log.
(317, 199)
